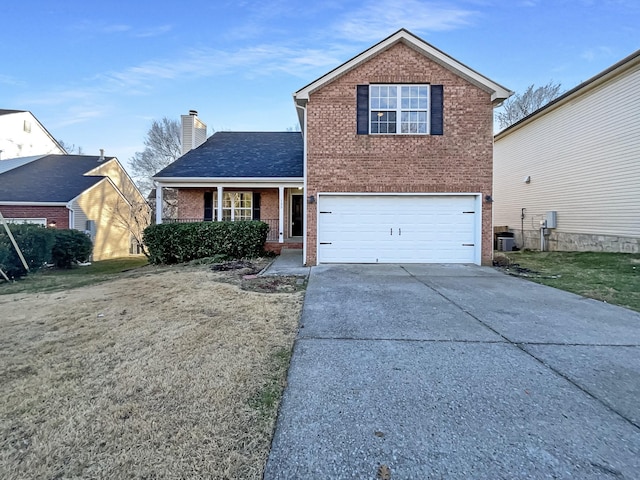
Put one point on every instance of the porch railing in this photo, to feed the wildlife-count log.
(272, 236)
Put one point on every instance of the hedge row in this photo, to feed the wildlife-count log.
(181, 242)
(40, 246)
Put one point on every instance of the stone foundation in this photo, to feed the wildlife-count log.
(577, 242)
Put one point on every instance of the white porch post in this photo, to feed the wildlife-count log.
(280, 214)
(220, 191)
(159, 203)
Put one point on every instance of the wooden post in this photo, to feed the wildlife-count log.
(13, 241)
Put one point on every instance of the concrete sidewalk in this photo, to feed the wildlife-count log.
(288, 263)
(457, 371)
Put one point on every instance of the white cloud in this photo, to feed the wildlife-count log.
(597, 53)
(118, 28)
(249, 61)
(9, 80)
(121, 28)
(377, 20)
(153, 31)
(77, 115)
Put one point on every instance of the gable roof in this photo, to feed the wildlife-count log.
(613, 71)
(33, 117)
(11, 163)
(252, 155)
(49, 179)
(497, 91)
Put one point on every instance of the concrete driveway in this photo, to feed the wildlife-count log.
(457, 371)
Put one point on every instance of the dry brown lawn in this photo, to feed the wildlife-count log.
(166, 374)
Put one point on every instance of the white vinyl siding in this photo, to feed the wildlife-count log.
(79, 216)
(23, 136)
(584, 162)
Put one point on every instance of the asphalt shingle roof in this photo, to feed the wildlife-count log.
(4, 111)
(52, 178)
(241, 155)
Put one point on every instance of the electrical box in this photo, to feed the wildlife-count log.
(91, 228)
(552, 219)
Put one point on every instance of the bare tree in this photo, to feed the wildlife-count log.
(161, 147)
(71, 148)
(520, 105)
(133, 216)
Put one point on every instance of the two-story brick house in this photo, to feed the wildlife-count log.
(397, 151)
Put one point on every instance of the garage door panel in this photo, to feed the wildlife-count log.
(397, 229)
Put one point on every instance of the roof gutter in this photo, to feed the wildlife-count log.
(228, 180)
(35, 204)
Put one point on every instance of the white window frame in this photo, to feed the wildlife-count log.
(30, 221)
(378, 107)
(231, 209)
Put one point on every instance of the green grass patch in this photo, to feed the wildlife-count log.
(51, 280)
(609, 277)
(266, 400)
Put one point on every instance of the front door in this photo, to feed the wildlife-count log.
(296, 216)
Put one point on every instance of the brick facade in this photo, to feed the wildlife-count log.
(191, 204)
(339, 160)
(60, 215)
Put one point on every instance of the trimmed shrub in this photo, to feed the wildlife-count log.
(34, 241)
(182, 242)
(70, 246)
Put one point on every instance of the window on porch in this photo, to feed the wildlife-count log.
(236, 205)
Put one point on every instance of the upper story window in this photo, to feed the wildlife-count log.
(402, 109)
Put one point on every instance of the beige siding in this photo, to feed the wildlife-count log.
(106, 206)
(112, 169)
(584, 162)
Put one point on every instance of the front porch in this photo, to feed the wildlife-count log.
(281, 207)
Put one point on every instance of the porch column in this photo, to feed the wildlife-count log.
(159, 203)
(280, 214)
(220, 191)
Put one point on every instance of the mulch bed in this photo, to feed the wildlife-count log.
(245, 276)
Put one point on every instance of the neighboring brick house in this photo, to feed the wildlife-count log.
(396, 160)
(87, 193)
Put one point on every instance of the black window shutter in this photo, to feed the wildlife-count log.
(363, 109)
(256, 205)
(208, 206)
(437, 103)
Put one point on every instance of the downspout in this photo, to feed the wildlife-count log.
(72, 215)
(158, 203)
(522, 212)
(304, 184)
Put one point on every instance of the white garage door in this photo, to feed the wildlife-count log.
(398, 229)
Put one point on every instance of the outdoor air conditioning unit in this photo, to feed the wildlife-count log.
(505, 244)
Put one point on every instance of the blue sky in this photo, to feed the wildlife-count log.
(97, 73)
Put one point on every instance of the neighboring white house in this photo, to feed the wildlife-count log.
(22, 135)
(579, 156)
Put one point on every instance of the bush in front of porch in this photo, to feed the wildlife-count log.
(169, 243)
